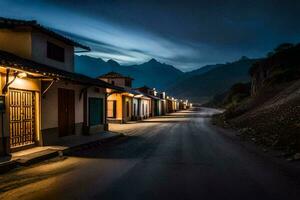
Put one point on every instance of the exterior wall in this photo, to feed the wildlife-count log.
(33, 85)
(156, 107)
(96, 93)
(152, 108)
(170, 106)
(163, 107)
(159, 107)
(136, 108)
(181, 106)
(177, 105)
(117, 81)
(119, 105)
(50, 131)
(174, 105)
(33, 45)
(145, 108)
(16, 42)
(39, 52)
(127, 114)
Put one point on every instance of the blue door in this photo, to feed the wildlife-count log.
(95, 111)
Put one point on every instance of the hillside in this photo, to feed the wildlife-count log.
(202, 87)
(198, 85)
(151, 73)
(271, 115)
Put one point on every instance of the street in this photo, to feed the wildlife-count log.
(177, 156)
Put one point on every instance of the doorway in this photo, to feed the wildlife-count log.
(66, 112)
(21, 118)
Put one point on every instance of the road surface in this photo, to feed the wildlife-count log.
(179, 156)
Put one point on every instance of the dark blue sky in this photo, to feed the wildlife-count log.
(187, 34)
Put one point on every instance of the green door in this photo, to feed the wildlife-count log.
(95, 111)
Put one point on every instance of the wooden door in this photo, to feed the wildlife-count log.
(66, 112)
(21, 118)
(127, 108)
(95, 111)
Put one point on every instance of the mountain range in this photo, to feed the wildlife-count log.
(198, 85)
(152, 73)
(201, 86)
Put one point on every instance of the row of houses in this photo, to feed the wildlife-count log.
(130, 104)
(43, 100)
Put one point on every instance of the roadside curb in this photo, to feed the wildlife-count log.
(7, 166)
(88, 145)
(52, 153)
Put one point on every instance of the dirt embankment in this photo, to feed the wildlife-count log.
(270, 116)
(274, 123)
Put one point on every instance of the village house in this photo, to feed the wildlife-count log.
(172, 104)
(125, 104)
(183, 104)
(163, 105)
(42, 99)
(156, 101)
(176, 102)
(141, 106)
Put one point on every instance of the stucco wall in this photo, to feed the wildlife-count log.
(39, 52)
(135, 107)
(117, 81)
(127, 112)
(33, 45)
(16, 42)
(50, 104)
(33, 85)
(145, 106)
(119, 106)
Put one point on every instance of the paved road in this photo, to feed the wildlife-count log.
(180, 156)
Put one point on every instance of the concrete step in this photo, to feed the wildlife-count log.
(37, 157)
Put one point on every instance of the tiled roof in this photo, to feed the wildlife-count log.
(16, 62)
(114, 75)
(14, 23)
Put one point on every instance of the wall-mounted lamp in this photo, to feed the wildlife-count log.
(22, 75)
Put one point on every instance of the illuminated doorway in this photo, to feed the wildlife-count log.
(21, 118)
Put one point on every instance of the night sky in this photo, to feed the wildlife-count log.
(187, 34)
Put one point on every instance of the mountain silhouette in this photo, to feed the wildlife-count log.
(152, 73)
(199, 86)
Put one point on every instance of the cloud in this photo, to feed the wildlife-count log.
(186, 34)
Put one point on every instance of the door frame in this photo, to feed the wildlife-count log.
(67, 121)
(114, 107)
(36, 118)
(89, 110)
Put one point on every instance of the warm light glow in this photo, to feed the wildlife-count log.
(22, 75)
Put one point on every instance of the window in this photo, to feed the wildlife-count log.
(55, 52)
(146, 109)
(128, 82)
(134, 109)
(113, 82)
(127, 106)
